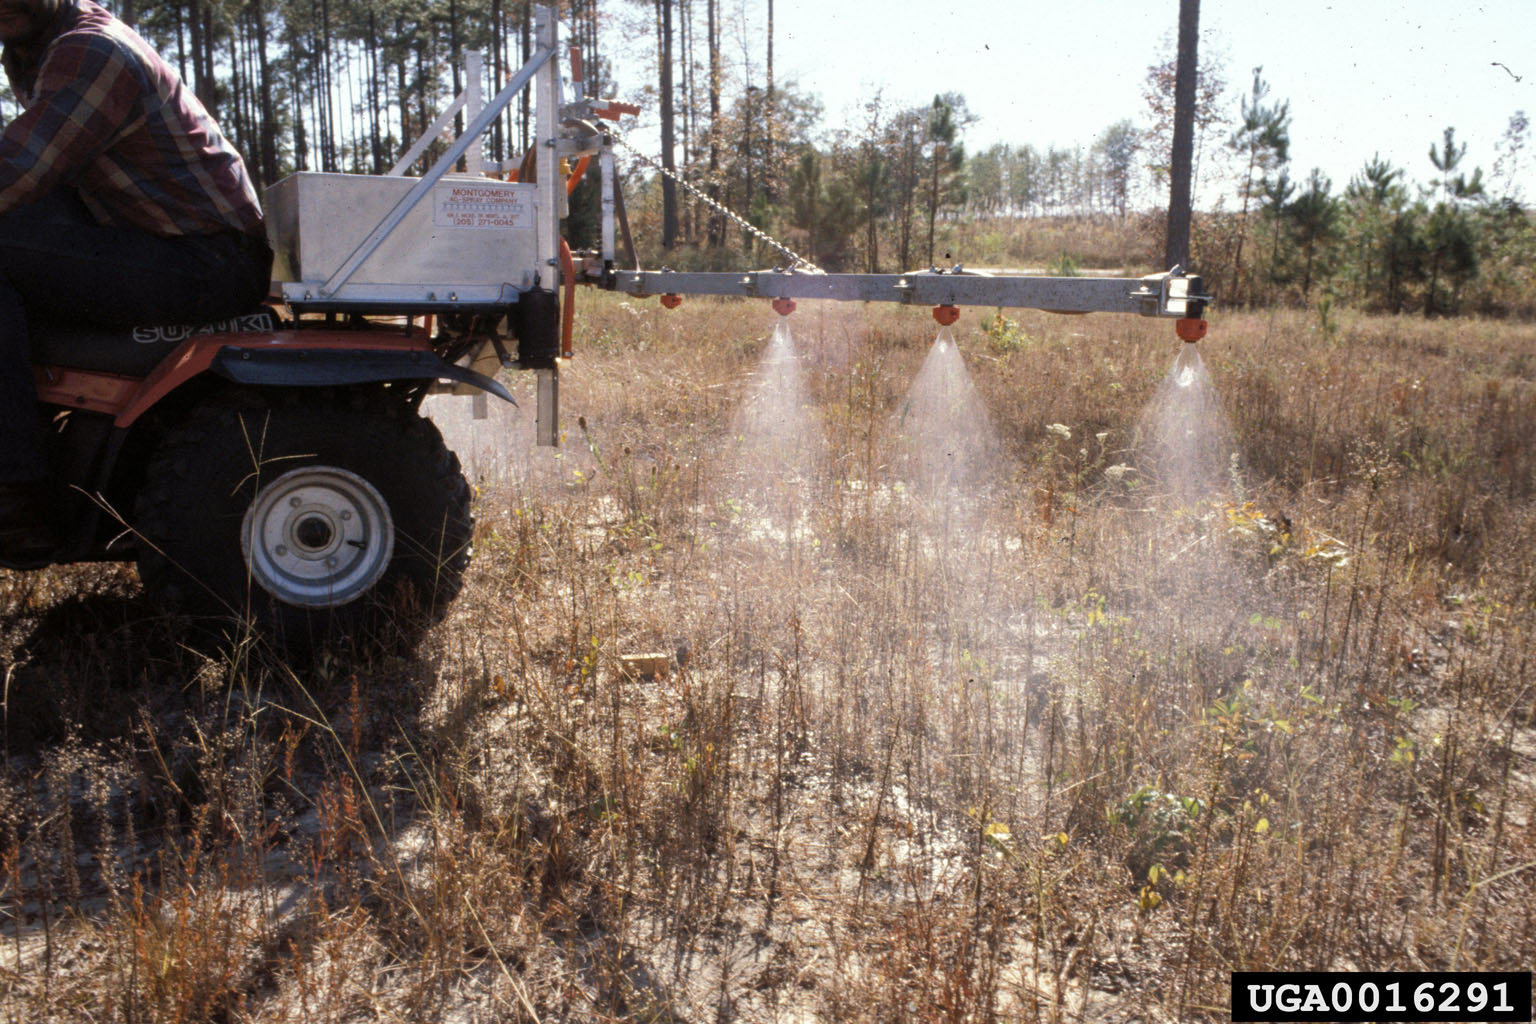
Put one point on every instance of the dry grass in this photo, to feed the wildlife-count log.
(1073, 753)
(1130, 245)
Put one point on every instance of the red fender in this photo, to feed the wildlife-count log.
(126, 399)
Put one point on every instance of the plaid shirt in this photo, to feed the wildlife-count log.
(105, 115)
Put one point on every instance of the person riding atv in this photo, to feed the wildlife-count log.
(121, 203)
(266, 465)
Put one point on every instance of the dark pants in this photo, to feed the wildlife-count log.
(58, 265)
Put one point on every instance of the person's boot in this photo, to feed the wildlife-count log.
(26, 522)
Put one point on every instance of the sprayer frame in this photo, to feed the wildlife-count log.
(576, 130)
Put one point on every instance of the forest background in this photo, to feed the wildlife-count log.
(347, 86)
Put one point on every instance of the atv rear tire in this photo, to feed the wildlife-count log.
(317, 517)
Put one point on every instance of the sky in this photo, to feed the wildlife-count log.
(1362, 76)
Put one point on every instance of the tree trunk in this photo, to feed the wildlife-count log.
(747, 162)
(904, 228)
(423, 118)
(376, 85)
(300, 137)
(769, 111)
(498, 41)
(690, 114)
(909, 181)
(1242, 233)
(668, 117)
(1431, 294)
(195, 31)
(235, 121)
(1182, 164)
(1274, 255)
(716, 222)
(268, 128)
(526, 123)
(933, 198)
(1394, 270)
(181, 42)
(871, 205)
(315, 91)
(210, 45)
(327, 83)
(400, 89)
(351, 102)
(456, 62)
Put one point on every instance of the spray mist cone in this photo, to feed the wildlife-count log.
(1186, 431)
(777, 443)
(950, 453)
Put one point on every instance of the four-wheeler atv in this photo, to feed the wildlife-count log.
(279, 470)
(275, 468)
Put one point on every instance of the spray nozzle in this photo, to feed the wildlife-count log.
(946, 315)
(1189, 330)
(783, 306)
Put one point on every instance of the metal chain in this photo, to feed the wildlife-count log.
(752, 229)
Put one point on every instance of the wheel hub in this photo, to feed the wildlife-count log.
(318, 536)
(314, 532)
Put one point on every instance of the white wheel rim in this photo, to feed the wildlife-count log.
(317, 537)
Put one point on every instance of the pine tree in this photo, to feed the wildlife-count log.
(1263, 140)
(1449, 233)
(946, 157)
(1313, 217)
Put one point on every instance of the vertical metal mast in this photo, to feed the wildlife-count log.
(551, 197)
(547, 142)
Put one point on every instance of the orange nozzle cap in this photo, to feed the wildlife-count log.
(783, 307)
(1190, 330)
(946, 315)
(671, 301)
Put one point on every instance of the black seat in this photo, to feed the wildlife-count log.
(132, 351)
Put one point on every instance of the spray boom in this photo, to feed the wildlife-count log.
(523, 266)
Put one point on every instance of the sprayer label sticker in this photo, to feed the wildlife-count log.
(484, 207)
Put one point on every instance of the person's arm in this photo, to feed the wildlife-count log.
(87, 91)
